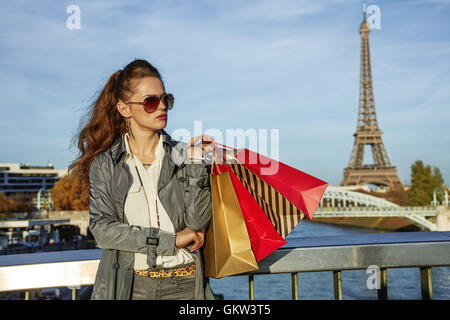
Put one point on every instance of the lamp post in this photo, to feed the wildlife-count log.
(38, 199)
(445, 202)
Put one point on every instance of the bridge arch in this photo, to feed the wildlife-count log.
(339, 202)
(339, 197)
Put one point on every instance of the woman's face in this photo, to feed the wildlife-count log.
(139, 117)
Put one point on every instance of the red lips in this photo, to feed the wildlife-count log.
(162, 116)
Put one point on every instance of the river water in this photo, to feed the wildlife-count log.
(402, 283)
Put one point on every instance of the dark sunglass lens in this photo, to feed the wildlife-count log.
(151, 103)
(168, 100)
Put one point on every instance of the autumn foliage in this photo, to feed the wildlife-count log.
(425, 180)
(70, 193)
(7, 205)
(16, 203)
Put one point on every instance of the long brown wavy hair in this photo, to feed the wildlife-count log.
(103, 123)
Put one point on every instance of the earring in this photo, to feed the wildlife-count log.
(128, 126)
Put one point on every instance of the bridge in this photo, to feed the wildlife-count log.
(339, 202)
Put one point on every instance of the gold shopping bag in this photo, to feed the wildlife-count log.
(228, 249)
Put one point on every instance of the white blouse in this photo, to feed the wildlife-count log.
(137, 212)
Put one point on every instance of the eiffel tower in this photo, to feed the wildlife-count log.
(381, 172)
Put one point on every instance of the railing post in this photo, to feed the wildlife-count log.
(294, 281)
(75, 294)
(29, 295)
(383, 292)
(426, 283)
(337, 285)
(251, 287)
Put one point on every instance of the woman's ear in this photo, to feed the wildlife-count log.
(123, 109)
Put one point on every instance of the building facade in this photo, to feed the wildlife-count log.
(28, 182)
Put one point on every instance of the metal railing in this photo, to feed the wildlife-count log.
(424, 211)
(359, 252)
(424, 250)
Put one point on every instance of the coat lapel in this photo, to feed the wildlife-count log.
(167, 170)
(173, 158)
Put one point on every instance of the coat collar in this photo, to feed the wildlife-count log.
(159, 151)
(118, 148)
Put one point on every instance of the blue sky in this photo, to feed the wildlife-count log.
(290, 65)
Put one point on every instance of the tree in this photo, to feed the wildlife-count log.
(6, 205)
(70, 193)
(15, 203)
(22, 203)
(424, 182)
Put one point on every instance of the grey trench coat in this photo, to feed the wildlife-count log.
(184, 191)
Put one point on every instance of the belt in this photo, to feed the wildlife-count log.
(167, 273)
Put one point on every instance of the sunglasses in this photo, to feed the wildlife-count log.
(151, 103)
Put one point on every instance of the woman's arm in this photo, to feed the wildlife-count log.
(197, 197)
(110, 233)
(186, 236)
(198, 191)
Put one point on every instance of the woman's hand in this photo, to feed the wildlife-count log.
(187, 236)
(198, 151)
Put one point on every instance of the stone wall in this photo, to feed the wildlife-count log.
(78, 218)
(443, 218)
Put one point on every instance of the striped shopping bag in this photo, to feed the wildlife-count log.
(285, 194)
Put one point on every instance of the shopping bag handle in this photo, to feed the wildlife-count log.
(216, 147)
(212, 163)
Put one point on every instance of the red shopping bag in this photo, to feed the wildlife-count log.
(263, 237)
(301, 189)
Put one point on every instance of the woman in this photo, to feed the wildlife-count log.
(149, 201)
